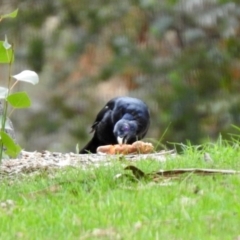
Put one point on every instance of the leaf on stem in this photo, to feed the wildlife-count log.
(27, 76)
(6, 54)
(19, 100)
(13, 149)
(10, 15)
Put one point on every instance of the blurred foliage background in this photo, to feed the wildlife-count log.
(182, 57)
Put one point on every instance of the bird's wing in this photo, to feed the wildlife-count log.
(108, 107)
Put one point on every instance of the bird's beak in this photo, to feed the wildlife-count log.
(120, 140)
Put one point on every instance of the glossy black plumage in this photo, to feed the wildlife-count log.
(122, 119)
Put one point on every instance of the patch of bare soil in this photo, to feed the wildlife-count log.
(29, 162)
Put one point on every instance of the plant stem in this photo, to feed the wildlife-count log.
(5, 107)
(13, 85)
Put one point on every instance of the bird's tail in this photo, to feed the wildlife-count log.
(91, 146)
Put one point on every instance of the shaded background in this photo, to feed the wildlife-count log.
(181, 57)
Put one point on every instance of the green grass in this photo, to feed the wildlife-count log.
(77, 204)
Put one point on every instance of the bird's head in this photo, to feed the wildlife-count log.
(125, 131)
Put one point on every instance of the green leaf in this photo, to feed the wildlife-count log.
(10, 15)
(27, 76)
(19, 100)
(6, 55)
(13, 149)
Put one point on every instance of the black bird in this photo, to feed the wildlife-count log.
(122, 120)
